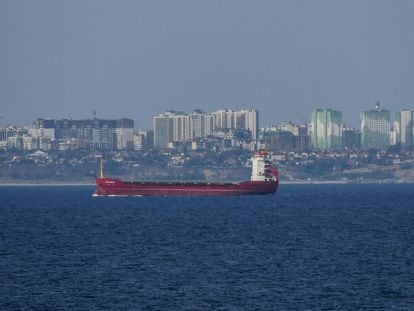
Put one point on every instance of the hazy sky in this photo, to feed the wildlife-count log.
(139, 58)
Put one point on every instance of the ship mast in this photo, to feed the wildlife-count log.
(102, 169)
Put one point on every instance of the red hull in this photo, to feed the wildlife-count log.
(111, 186)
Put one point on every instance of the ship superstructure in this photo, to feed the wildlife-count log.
(264, 180)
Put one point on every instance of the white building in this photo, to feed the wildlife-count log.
(208, 125)
(181, 127)
(175, 126)
(163, 129)
(404, 127)
(196, 124)
(138, 141)
(237, 119)
(124, 138)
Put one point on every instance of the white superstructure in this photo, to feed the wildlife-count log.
(262, 170)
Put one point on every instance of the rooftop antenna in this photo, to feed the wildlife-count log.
(377, 106)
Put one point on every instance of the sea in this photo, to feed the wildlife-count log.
(309, 247)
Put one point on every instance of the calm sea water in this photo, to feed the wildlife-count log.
(310, 247)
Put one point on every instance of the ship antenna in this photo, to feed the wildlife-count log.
(102, 169)
(265, 150)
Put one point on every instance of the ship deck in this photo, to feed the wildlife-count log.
(179, 183)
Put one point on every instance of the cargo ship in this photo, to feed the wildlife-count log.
(264, 180)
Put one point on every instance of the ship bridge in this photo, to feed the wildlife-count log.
(262, 170)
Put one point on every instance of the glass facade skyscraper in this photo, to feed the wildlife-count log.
(375, 128)
(326, 128)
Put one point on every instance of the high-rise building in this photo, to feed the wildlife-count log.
(395, 133)
(181, 127)
(7, 132)
(139, 141)
(172, 126)
(208, 125)
(281, 141)
(251, 122)
(143, 140)
(124, 134)
(326, 128)
(287, 137)
(404, 127)
(196, 124)
(223, 119)
(375, 128)
(124, 138)
(163, 129)
(237, 119)
(93, 133)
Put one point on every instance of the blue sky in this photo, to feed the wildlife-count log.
(139, 58)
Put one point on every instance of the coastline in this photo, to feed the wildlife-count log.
(90, 183)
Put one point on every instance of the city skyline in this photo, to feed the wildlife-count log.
(142, 58)
(229, 127)
(302, 118)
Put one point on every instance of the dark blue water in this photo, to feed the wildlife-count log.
(310, 247)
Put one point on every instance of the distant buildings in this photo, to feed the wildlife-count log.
(403, 128)
(237, 119)
(287, 137)
(143, 140)
(7, 132)
(177, 126)
(163, 129)
(68, 134)
(351, 138)
(326, 128)
(12, 137)
(220, 130)
(375, 128)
